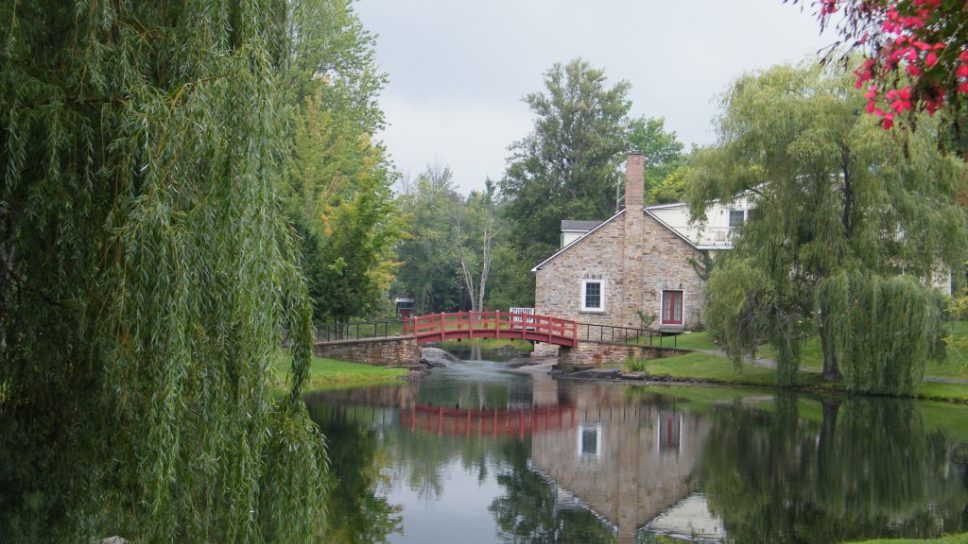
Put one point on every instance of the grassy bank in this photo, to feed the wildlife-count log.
(951, 539)
(702, 367)
(720, 370)
(334, 374)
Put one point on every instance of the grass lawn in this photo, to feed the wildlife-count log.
(694, 340)
(956, 366)
(951, 539)
(811, 357)
(334, 374)
(711, 368)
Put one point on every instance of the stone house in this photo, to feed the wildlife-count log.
(642, 259)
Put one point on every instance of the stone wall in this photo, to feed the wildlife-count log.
(636, 257)
(373, 351)
(589, 354)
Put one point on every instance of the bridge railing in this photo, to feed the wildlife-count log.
(608, 334)
(355, 330)
(500, 322)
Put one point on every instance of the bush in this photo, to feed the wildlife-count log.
(635, 365)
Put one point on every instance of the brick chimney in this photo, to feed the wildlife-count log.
(635, 180)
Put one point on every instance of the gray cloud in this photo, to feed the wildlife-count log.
(459, 68)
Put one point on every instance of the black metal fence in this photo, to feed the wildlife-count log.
(608, 334)
(355, 330)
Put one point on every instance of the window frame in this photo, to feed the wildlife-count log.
(741, 214)
(601, 296)
(580, 442)
(682, 307)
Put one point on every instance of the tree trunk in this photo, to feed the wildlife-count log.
(831, 372)
(469, 283)
(485, 268)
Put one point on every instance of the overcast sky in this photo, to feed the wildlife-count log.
(459, 68)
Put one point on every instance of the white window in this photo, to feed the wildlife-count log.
(589, 441)
(592, 296)
(736, 218)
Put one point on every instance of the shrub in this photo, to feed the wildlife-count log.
(635, 365)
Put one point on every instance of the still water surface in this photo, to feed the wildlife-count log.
(476, 453)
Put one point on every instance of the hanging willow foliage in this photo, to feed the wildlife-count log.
(739, 302)
(147, 274)
(882, 330)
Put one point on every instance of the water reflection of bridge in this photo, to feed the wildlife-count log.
(495, 422)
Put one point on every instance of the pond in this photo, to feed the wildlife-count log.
(477, 453)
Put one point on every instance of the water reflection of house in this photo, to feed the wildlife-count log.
(630, 463)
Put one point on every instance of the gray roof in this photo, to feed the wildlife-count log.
(579, 226)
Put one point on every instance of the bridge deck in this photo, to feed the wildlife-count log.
(427, 329)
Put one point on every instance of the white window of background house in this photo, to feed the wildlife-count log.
(592, 296)
(736, 218)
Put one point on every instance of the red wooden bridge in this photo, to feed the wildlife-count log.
(431, 328)
(460, 421)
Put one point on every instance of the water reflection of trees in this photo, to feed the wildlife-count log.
(868, 469)
(356, 514)
(528, 511)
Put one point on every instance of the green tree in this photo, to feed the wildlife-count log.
(662, 150)
(880, 331)
(568, 167)
(833, 192)
(342, 203)
(332, 55)
(430, 255)
(340, 198)
(148, 274)
(672, 188)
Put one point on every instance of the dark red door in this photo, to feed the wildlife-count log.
(672, 307)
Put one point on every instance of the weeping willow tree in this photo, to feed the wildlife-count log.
(147, 276)
(833, 191)
(882, 330)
